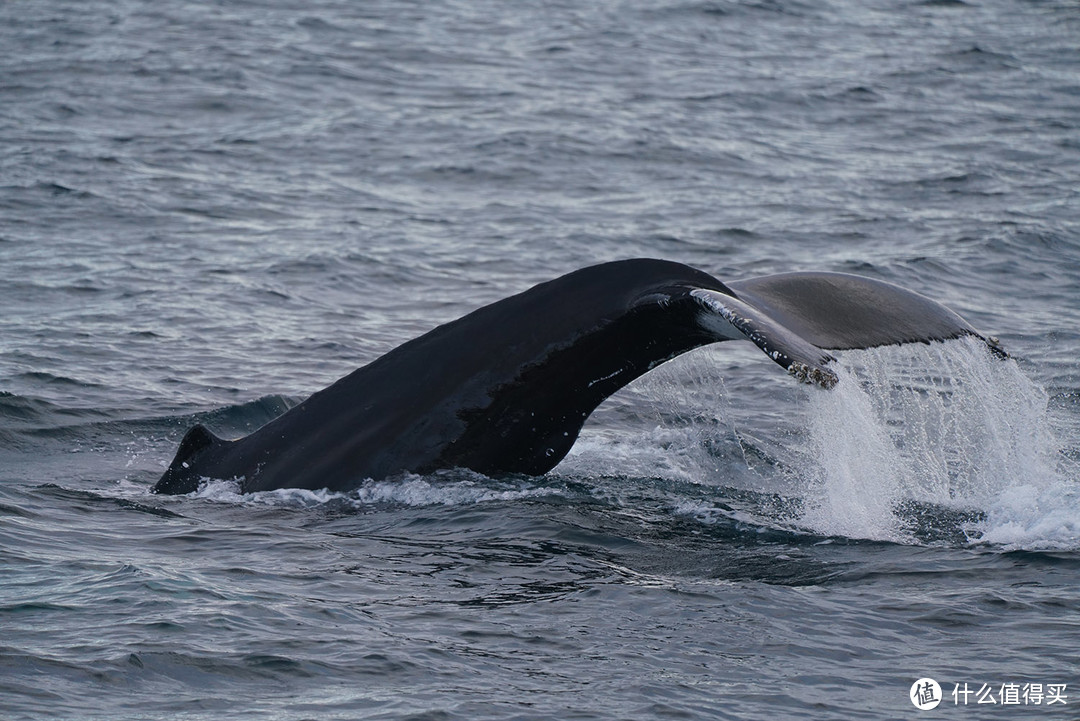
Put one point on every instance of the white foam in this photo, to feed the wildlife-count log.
(1030, 517)
(408, 491)
(417, 491)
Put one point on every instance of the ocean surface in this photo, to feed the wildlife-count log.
(210, 210)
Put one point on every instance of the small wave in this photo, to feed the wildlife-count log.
(746, 520)
(234, 420)
(46, 378)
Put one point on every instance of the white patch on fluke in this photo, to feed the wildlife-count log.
(730, 318)
(716, 321)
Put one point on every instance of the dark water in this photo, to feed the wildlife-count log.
(210, 210)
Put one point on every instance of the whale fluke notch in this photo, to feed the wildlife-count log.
(507, 388)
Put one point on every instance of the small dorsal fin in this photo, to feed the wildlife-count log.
(195, 440)
(181, 476)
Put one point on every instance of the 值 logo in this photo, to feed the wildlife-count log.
(925, 694)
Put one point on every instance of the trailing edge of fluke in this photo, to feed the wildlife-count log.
(506, 388)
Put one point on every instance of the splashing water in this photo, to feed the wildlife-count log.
(945, 426)
(915, 443)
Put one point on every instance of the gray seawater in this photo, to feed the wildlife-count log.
(209, 210)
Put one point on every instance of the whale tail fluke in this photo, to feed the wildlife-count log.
(507, 388)
(795, 318)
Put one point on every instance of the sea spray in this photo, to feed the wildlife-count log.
(855, 477)
(945, 425)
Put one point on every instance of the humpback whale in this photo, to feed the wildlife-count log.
(507, 388)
